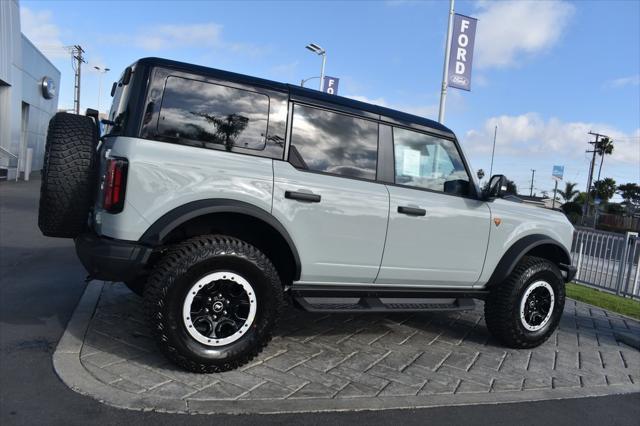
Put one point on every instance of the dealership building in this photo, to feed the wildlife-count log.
(28, 96)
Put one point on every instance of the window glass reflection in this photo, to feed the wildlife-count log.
(213, 116)
(334, 143)
(426, 161)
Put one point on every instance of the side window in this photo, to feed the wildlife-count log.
(329, 142)
(429, 162)
(210, 115)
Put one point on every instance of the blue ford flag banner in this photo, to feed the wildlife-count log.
(558, 172)
(330, 85)
(461, 55)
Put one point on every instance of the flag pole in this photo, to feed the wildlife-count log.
(445, 68)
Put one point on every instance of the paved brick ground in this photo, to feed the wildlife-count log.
(364, 356)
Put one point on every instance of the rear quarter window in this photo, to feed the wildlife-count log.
(215, 116)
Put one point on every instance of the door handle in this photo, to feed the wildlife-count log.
(412, 211)
(302, 196)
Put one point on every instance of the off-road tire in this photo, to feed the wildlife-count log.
(170, 282)
(502, 307)
(68, 175)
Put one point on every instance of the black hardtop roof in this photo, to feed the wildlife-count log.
(296, 90)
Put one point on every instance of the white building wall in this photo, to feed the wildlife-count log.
(22, 67)
(35, 66)
(10, 53)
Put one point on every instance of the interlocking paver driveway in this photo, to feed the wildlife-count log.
(338, 357)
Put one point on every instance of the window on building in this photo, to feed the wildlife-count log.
(428, 162)
(329, 142)
(214, 116)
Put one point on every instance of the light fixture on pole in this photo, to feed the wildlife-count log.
(319, 51)
(101, 71)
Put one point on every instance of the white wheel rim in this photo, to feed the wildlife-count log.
(216, 308)
(527, 302)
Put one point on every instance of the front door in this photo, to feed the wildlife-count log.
(327, 198)
(438, 232)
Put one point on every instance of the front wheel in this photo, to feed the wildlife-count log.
(212, 303)
(524, 310)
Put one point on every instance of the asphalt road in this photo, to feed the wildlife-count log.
(40, 284)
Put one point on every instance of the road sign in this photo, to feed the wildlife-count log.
(330, 85)
(557, 173)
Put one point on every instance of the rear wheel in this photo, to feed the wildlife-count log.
(212, 303)
(524, 310)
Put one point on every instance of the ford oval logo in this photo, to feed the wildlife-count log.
(460, 79)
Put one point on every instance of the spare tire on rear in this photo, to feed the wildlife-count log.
(68, 175)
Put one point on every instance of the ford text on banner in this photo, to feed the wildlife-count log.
(461, 56)
(330, 85)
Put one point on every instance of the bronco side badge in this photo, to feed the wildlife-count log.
(497, 221)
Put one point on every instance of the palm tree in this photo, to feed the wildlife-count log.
(604, 147)
(569, 192)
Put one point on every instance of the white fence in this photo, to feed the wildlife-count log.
(607, 260)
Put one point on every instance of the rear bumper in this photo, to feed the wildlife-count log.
(111, 260)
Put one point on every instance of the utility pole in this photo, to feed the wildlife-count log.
(76, 54)
(493, 151)
(445, 67)
(533, 174)
(594, 151)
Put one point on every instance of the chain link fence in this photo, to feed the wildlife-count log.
(607, 260)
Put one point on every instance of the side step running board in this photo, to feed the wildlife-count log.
(377, 304)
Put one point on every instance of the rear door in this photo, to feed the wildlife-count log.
(327, 198)
(438, 232)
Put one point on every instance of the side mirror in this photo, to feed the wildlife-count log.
(497, 186)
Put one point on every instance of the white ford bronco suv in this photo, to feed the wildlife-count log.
(214, 195)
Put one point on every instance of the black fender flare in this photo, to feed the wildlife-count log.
(176, 217)
(520, 248)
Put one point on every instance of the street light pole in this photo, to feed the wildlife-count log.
(101, 71)
(324, 61)
(445, 67)
(319, 51)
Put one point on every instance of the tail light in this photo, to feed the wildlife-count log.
(115, 183)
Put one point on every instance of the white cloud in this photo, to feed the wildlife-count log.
(175, 36)
(510, 31)
(42, 32)
(206, 36)
(632, 80)
(284, 72)
(428, 111)
(530, 135)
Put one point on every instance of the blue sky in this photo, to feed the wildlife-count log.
(545, 72)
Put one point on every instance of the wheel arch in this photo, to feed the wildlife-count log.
(235, 217)
(532, 245)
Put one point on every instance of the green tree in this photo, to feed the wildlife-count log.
(630, 193)
(569, 192)
(604, 189)
(614, 208)
(511, 187)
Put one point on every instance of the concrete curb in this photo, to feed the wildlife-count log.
(67, 364)
(628, 339)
